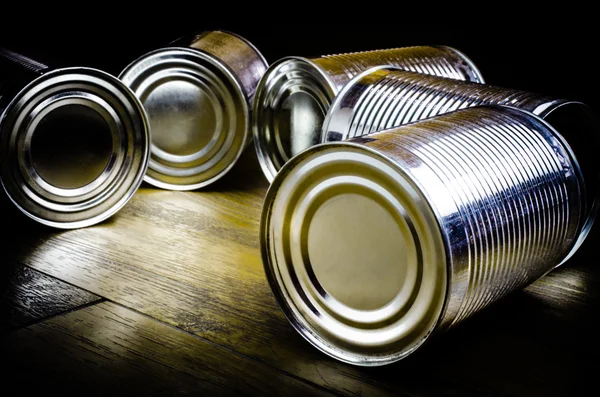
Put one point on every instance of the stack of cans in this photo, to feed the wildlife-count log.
(406, 193)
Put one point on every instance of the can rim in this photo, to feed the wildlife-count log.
(246, 41)
(469, 61)
(264, 159)
(145, 127)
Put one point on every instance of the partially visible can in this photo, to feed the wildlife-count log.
(74, 142)
(295, 94)
(374, 244)
(196, 93)
(386, 97)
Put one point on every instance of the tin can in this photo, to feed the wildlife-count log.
(295, 94)
(386, 97)
(374, 244)
(74, 142)
(196, 93)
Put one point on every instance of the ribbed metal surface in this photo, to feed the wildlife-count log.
(384, 98)
(516, 190)
(388, 98)
(10, 59)
(430, 60)
(16, 70)
(295, 94)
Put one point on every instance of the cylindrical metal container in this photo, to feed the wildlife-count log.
(386, 97)
(196, 93)
(295, 94)
(74, 142)
(374, 244)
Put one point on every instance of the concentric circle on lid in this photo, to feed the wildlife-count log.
(198, 115)
(289, 108)
(354, 254)
(75, 147)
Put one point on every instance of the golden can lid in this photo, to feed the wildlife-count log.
(354, 253)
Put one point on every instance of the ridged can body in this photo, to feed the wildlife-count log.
(295, 94)
(74, 142)
(374, 244)
(197, 93)
(16, 71)
(385, 97)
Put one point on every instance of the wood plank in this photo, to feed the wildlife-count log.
(107, 349)
(192, 260)
(27, 296)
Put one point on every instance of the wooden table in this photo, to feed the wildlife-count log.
(169, 297)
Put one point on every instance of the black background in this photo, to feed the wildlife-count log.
(553, 57)
(557, 57)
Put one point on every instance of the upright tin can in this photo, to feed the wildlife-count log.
(196, 93)
(386, 97)
(74, 142)
(374, 244)
(295, 94)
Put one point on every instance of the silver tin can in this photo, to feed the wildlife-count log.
(196, 93)
(295, 94)
(74, 143)
(374, 244)
(386, 97)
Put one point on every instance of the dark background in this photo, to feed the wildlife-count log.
(555, 57)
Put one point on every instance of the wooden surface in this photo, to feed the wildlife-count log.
(109, 349)
(28, 296)
(191, 260)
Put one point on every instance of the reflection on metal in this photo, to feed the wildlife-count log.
(384, 97)
(75, 142)
(374, 244)
(196, 93)
(297, 86)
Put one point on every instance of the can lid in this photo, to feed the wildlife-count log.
(198, 114)
(290, 105)
(75, 146)
(354, 253)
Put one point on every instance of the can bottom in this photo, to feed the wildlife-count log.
(354, 254)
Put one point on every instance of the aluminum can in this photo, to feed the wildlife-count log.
(374, 244)
(74, 144)
(196, 92)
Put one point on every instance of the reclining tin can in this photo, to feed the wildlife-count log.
(74, 141)
(197, 93)
(375, 244)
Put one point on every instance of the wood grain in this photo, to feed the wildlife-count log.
(106, 350)
(27, 295)
(192, 259)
